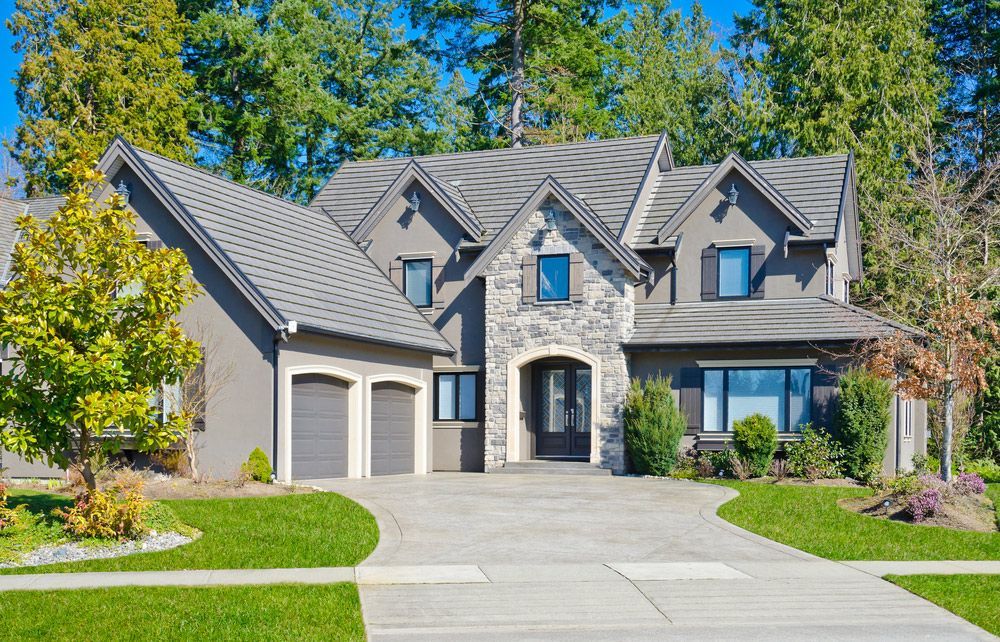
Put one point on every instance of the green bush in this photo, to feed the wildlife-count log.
(257, 467)
(654, 426)
(817, 456)
(862, 422)
(755, 439)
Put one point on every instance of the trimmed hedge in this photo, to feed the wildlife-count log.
(755, 440)
(654, 426)
(862, 422)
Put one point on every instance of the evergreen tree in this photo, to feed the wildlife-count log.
(92, 69)
(288, 90)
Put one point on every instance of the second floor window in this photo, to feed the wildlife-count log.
(417, 282)
(734, 272)
(553, 277)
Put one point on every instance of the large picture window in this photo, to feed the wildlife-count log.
(730, 394)
(734, 272)
(417, 282)
(553, 278)
(455, 397)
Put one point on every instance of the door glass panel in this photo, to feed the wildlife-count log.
(582, 400)
(553, 400)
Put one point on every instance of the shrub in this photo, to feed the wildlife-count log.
(920, 464)
(8, 516)
(654, 426)
(720, 461)
(904, 485)
(988, 470)
(116, 513)
(924, 504)
(755, 439)
(779, 469)
(686, 466)
(862, 422)
(816, 456)
(257, 467)
(705, 468)
(969, 484)
(173, 461)
(742, 469)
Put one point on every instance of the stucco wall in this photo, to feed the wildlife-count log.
(596, 326)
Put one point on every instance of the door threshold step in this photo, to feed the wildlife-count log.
(553, 467)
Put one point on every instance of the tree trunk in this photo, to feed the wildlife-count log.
(88, 475)
(948, 428)
(517, 73)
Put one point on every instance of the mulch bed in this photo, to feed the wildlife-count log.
(964, 513)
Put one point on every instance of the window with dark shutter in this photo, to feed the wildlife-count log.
(758, 272)
(709, 274)
(690, 398)
(528, 280)
(576, 270)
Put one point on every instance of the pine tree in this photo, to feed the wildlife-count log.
(92, 69)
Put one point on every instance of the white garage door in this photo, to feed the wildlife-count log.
(319, 427)
(393, 422)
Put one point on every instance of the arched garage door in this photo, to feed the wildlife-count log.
(393, 420)
(319, 426)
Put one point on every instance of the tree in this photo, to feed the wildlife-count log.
(540, 63)
(862, 421)
(948, 253)
(670, 75)
(91, 314)
(654, 426)
(288, 90)
(92, 69)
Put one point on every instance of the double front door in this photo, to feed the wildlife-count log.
(562, 415)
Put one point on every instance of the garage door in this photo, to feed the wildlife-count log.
(319, 427)
(392, 429)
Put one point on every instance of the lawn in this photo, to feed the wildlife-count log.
(973, 597)
(808, 518)
(277, 612)
(290, 531)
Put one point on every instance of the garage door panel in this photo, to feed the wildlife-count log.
(320, 411)
(393, 423)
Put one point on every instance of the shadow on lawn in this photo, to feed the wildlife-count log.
(40, 503)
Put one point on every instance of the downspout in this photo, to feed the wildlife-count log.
(281, 335)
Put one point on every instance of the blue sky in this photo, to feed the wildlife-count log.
(720, 11)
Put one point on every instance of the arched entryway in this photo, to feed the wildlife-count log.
(553, 398)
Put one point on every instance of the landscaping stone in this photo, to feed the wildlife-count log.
(76, 552)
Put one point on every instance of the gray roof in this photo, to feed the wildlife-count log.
(495, 183)
(305, 265)
(765, 321)
(814, 185)
(10, 209)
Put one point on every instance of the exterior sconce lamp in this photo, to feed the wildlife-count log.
(415, 201)
(550, 220)
(733, 194)
(123, 191)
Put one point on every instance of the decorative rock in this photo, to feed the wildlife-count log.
(74, 552)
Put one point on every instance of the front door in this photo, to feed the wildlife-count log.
(562, 418)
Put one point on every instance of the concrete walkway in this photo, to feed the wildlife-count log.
(588, 558)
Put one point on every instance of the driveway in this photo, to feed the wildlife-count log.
(465, 556)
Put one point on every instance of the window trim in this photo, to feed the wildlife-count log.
(907, 410)
(430, 281)
(748, 249)
(538, 278)
(782, 430)
(457, 396)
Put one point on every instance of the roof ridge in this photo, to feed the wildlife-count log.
(779, 159)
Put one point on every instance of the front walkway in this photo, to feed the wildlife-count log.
(607, 558)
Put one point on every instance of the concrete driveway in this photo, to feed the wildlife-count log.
(464, 556)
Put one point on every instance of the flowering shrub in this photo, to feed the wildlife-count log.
(924, 504)
(116, 513)
(969, 484)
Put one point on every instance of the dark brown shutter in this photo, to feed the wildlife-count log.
(577, 266)
(194, 395)
(437, 283)
(690, 397)
(529, 282)
(824, 397)
(758, 272)
(396, 273)
(709, 273)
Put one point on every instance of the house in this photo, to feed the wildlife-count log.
(465, 311)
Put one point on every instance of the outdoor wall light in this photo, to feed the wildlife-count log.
(733, 194)
(550, 220)
(123, 191)
(415, 201)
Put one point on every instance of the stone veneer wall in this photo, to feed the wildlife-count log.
(599, 325)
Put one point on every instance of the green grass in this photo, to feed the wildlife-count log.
(278, 612)
(290, 531)
(808, 518)
(973, 597)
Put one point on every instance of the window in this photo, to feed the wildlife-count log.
(907, 419)
(417, 282)
(847, 289)
(734, 272)
(730, 394)
(553, 278)
(455, 397)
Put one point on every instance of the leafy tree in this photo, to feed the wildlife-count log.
(92, 69)
(862, 421)
(540, 63)
(654, 426)
(91, 314)
(287, 90)
(670, 75)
